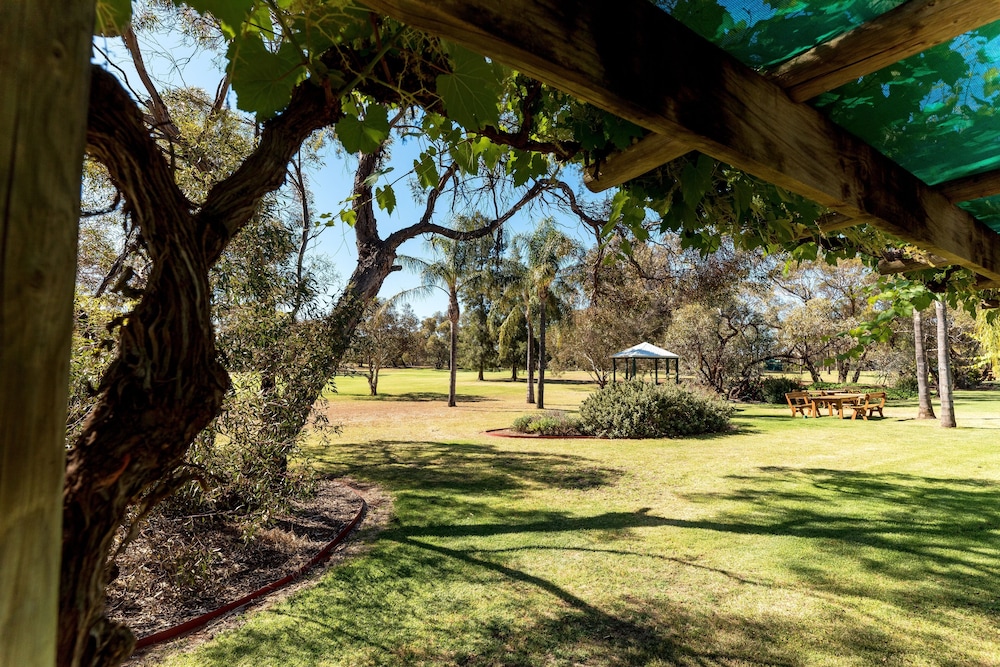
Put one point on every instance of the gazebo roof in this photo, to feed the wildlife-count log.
(645, 351)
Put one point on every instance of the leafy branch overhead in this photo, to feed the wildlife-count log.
(475, 113)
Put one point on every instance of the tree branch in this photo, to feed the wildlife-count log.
(158, 110)
(426, 227)
(118, 139)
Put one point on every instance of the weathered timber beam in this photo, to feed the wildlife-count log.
(971, 187)
(671, 81)
(832, 222)
(647, 154)
(892, 266)
(908, 29)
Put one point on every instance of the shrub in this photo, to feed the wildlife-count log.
(774, 389)
(639, 410)
(547, 423)
(907, 383)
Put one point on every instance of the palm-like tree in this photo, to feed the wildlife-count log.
(545, 254)
(453, 266)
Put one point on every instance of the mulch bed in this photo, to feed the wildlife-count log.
(182, 567)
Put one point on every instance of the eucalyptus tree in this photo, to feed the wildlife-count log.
(298, 67)
(381, 339)
(329, 66)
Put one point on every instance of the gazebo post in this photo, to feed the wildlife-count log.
(614, 370)
(656, 371)
(677, 370)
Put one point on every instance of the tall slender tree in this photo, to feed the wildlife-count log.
(926, 409)
(547, 252)
(944, 366)
(454, 266)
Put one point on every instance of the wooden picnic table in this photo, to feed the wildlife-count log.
(834, 400)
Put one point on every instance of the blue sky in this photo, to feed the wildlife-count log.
(172, 62)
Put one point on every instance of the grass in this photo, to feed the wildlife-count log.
(789, 542)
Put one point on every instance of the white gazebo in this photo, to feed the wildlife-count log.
(645, 351)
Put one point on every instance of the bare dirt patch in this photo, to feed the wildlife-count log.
(182, 567)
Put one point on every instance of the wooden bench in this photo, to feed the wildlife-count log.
(874, 402)
(798, 401)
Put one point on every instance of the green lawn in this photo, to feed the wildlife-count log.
(790, 542)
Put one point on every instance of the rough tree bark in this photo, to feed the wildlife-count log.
(530, 365)
(944, 366)
(926, 409)
(44, 53)
(165, 383)
(541, 353)
(453, 316)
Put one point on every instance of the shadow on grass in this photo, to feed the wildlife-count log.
(548, 381)
(467, 468)
(414, 600)
(938, 537)
(422, 596)
(428, 396)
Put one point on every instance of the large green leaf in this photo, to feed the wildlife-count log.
(471, 93)
(366, 133)
(426, 171)
(112, 16)
(386, 198)
(263, 80)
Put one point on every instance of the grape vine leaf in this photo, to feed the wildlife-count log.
(263, 80)
(364, 133)
(426, 171)
(471, 93)
(386, 198)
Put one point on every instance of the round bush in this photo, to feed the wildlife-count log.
(773, 390)
(640, 410)
(553, 422)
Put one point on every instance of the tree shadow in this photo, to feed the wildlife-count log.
(426, 466)
(365, 608)
(429, 396)
(939, 538)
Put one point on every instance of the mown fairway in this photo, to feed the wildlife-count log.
(790, 542)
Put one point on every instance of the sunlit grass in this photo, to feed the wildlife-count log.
(790, 542)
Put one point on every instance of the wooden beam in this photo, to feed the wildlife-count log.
(910, 28)
(890, 267)
(971, 187)
(647, 154)
(834, 222)
(671, 81)
(44, 58)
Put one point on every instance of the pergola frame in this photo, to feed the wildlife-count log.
(693, 96)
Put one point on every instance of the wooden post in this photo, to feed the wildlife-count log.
(44, 54)
(656, 371)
